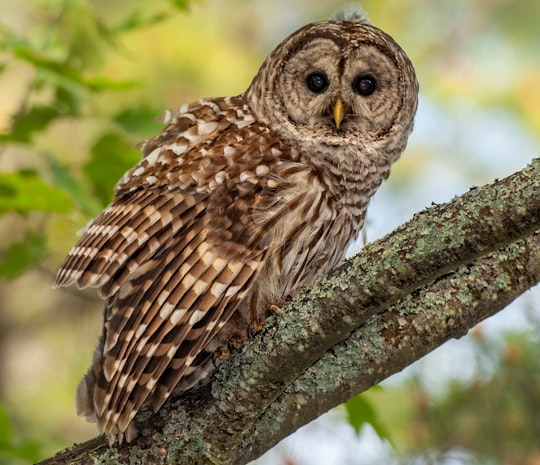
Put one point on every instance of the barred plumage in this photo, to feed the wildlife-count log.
(235, 204)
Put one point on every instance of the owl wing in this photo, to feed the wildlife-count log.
(175, 253)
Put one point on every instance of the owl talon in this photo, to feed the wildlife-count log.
(237, 341)
(255, 327)
(222, 352)
(274, 309)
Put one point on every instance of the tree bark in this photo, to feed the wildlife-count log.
(430, 280)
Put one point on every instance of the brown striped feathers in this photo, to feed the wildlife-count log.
(238, 202)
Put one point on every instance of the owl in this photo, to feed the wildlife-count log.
(237, 203)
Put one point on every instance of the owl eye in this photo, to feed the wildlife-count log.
(365, 85)
(317, 82)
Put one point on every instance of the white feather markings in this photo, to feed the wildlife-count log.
(177, 315)
(196, 316)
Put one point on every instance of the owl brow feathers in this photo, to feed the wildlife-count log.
(344, 36)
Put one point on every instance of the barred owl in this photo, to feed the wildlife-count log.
(234, 205)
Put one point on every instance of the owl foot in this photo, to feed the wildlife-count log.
(221, 353)
(274, 309)
(238, 340)
(257, 324)
(255, 327)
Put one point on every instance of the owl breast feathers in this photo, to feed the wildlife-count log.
(238, 202)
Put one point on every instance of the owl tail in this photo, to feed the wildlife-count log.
(84, 397)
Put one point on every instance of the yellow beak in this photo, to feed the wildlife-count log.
(338, 112)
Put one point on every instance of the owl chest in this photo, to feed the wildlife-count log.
(310, 239)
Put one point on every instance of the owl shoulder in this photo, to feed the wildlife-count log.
(207, 129)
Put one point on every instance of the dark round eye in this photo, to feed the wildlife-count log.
(317, 82)
(364, 85)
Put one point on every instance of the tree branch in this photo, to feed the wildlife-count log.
(390, 341)
(402, 296)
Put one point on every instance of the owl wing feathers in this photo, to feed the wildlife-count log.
(171, 161)
(175, 253)
(176, 325)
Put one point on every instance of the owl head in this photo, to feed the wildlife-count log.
(338, 83)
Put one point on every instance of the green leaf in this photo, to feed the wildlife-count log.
(359, 411)
(180, 4)
(59, 69)
(69, 100)
(38, 118)
(29, 451)
(140, 120)
(20, 256)
(5, 429)
(63, 178)
(99, 83)
(138, 21)
(25, 52)
(24, 191)
(110, 157)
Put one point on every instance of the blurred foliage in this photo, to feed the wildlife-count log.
(12, 450)
(66, 59)
(360, 411)
(62, 60)
(81, 83)
(110, 154)
(20, 256)
(495, 417)
(24, 191)
(491, 418)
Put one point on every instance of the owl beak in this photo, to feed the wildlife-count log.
(338, 112)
